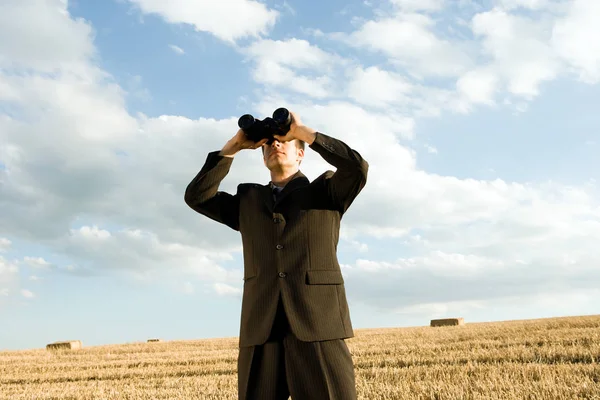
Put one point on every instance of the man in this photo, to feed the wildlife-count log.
(295, 315)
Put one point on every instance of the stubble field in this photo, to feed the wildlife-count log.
(535, 359)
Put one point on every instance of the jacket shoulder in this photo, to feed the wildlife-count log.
(325, 175)
(245, 187)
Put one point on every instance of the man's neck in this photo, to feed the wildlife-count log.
(282, 177)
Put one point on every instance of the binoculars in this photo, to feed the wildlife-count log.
(257, 130)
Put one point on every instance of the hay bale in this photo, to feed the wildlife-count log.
(67, 345)
(154, 340)
(447, 322)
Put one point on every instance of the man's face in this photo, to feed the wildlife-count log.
(282, 154)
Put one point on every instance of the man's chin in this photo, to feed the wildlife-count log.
(275, 165)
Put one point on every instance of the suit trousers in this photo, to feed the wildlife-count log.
(285, 366)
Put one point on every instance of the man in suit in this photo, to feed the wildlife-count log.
(295, 316)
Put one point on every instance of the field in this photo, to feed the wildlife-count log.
(535, 359)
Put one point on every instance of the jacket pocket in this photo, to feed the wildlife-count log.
(324, 277)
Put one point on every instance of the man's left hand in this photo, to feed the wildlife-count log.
(297, 131)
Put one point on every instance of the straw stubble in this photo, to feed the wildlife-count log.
(538, 359)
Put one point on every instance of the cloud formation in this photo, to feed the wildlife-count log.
(84, 178)
(228, 21)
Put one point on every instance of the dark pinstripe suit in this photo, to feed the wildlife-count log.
(290, 263)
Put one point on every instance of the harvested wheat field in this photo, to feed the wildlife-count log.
(536, 359)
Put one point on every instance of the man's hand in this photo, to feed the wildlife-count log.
(298, 131)
(240, 142)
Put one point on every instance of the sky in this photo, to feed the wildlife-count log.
(478, 119)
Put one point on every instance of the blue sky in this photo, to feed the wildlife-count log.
(478, 118)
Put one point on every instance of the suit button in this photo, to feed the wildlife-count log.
(282, 274)
(279, 247)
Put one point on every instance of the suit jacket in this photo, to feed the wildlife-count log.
(289, 245)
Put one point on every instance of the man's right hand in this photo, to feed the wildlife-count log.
(240, 142)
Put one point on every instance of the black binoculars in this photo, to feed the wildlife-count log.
(257, 130)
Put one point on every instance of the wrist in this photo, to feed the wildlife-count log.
(229, 150)
(306, 134)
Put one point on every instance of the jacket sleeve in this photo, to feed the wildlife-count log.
(202, 194)
(351, 175)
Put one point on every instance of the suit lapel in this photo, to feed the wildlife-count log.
(267, 195)
(298, 180)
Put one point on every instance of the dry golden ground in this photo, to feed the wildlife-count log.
(536, 359)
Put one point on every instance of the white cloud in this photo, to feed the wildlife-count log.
(28, 294)
(228, 20)
(575, 38)
(410, 41)
(526, 4)
(378, 88)
(446, 202)
(227, 290)
(287, 7)
(438, 280)
(48, 187)
(42, 36)
(419, 5)
(394, 93)
(36, 262)
(4, 244)
(526, 51)
(176, 49)
(557, 303)
(293, 64)
(296, 53)
(478, 86)
(92, 233)
(9, 278)
(518, 49)
(511, 53)
(270, 73)
(141, 252)
(112, 199)
(431, 149)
